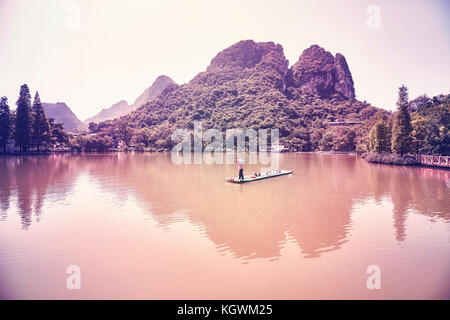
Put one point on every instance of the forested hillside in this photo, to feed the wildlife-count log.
(250, 85)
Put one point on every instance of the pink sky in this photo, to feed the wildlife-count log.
(121, 47)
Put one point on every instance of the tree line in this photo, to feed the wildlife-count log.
(421, 126)
(28, 125)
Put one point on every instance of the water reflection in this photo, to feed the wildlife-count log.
(312, 208)
(30, 179)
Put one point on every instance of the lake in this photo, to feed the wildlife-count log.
(140, 227)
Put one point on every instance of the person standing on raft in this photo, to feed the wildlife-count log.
(241, 169)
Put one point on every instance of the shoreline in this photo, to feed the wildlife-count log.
(399, 160)
(369, 157)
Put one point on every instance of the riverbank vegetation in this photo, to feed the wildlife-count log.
(420, 126)
(27, 129)
(390, 158)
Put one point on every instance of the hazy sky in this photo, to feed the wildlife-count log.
(120, 47)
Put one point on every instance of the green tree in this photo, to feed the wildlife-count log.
(99, 143)
(58, 135)
(350, 140)
(5, 123)
(141, 136)
(22, 132)
(40, 127)
(379, 137)
(421, 129)
(402, 128)
(93, 127)
(326, 143)
(343, 140)
(124, 132)
(433, 126)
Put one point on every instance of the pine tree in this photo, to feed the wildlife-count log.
(401, 130)
(5, 123)
(379, 137)
(22, 133)
(40, 126)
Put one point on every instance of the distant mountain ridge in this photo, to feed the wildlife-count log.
(62, 113)
(122, 107)
(116, 110)
(153, 91)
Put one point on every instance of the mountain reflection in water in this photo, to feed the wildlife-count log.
(313, 208)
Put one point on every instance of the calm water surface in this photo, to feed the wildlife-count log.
(141, 227)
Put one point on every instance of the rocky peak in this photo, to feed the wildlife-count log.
(159, 85)
(318, 72)
(62, 113)
(119, 105)
(153, 91)
(249, 54)
(317, 53)
(344, 81)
